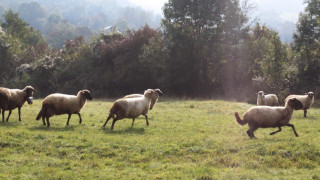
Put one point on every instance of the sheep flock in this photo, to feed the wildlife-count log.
(267, 113)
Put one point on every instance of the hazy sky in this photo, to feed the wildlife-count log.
(286, 9)
(153, 5)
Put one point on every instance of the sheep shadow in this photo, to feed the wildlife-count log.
(129, 130)
(45, 128)
(10, 124)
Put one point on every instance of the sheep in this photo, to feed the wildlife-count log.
(153, 101)
(266, 116)
(306, 100)
(131, 107)
(57, 104)
(14, 98)
(267, 99)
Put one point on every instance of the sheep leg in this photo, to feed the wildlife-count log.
(2, 115)
(68, 119)
(294, 130)
(305, 113)
(113, 122)
(109, 117)
(43, 120)
(276, 131)
(146, 116)
(250, 134)
(80, 120)
(48, 123)
(251, 130)
(132, 121)
(10, 111)
(19, 112)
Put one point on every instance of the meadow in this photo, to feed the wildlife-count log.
(186, 139)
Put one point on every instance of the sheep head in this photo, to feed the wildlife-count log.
(159, 92)
(310, 94)
(261, 93)
(295, 104)
(29, 91)
(86, 94)
(151, 94)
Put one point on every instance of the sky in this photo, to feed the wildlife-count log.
(152, 5)
(287, 10)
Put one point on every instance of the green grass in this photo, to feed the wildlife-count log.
(186, 139)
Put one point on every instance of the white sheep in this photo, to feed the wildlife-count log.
(14, 98)
(266, 116)
(153, 100)
(131, 107)
(57, 104)
(267, 99)
(306, 100)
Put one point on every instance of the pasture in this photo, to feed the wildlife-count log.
(186, 139)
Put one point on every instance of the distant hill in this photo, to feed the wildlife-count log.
(72, 18)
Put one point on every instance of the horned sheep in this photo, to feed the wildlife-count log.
(57, 104)
(267, 99)
(153, 100)
(306, 100)
(131, 107)
(266, 116)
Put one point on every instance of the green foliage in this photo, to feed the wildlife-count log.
(194, 140)
(201, 35)
(266, 58)
(307, 47)
(204, 49)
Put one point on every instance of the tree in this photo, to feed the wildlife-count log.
(198, 31)
(306, 45)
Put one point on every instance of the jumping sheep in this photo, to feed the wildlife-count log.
(306, 100)
(267, 99)
(14, 98)
(57, 104)
(266, 116)
(153, 100)
(131, 107)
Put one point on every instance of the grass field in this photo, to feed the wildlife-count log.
(186, 139)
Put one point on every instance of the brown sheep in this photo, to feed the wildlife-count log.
(14, 98)
(266, 116)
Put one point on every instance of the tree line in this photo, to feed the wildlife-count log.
(204, 49)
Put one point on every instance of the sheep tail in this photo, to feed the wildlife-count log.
(239, 121)
(40, 114)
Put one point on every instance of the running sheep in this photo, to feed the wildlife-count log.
(14, 98)
(306, 100)
(266, 116)
(267, 99)
(131, 107)
(57, 104)
(153, 100)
